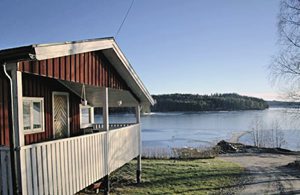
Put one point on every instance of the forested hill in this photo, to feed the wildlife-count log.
(215, 102)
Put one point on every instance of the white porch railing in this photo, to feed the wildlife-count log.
(112, 125)
(6, 186)
(67, 166)
(123, 146)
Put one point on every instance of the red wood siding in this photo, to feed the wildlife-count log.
(35, 86)
(90, 68)
(5, 110)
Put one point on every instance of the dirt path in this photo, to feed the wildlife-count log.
(267, 174)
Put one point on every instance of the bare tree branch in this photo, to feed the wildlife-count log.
(286, 65)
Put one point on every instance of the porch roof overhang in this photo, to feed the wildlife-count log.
(107, 45)
(116, 97)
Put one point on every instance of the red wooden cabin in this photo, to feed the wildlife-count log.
(43, 119)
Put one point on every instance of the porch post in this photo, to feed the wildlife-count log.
(139, 145)
(106, 127)
(18, 137)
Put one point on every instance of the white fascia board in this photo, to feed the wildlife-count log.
(132, 73)
(48, 51)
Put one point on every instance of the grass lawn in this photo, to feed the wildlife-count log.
(209, 176)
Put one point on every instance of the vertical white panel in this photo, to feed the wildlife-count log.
(58, 166)
(62, 165)
(75, 164)
(92, 163)
(76, 170)
(68, 165)
(50, 168)
(86, 175)
(29, 173)
(40, 170)
(81, 154)
(104, 155)
(34, 171)
(45, 170)
(85, 160)
(80, 173)
(86, 166)
(97, 159)
(23, 171)
(98, 155)
(101, 150)
(87, 152)
(54, 168)
(94, 169)
(90, 154)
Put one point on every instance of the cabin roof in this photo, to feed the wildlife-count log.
(108, 46)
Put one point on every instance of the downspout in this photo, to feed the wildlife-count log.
(12, 139)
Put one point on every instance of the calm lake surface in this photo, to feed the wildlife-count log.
(202, 129)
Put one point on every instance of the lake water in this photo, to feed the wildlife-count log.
(202, 129)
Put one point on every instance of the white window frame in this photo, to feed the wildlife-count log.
(32, 100)
(91, 119)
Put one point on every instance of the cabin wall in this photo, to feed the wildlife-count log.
(35, 86)
(39, 79)
(5, 109)
(91, 68)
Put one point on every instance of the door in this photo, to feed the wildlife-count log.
(60, 115)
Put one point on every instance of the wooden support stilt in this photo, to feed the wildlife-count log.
(139, 169)
(106, 185)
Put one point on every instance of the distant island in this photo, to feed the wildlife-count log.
(214, 102)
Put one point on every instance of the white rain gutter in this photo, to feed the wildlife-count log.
(11, 95)
(12, 149)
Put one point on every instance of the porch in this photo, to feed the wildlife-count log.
(73, 161)
(67, 166)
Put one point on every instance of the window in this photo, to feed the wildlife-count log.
(86, 116)
(33, 115)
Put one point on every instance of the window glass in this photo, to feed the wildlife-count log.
(33, 114)
(26, 115)
(85, 115)
(37, 122)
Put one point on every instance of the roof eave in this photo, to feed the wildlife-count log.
(17, 54)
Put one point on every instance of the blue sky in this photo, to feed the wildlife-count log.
(186, 46)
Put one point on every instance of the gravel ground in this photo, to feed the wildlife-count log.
(266, 173)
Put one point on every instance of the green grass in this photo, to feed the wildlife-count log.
(209, 176)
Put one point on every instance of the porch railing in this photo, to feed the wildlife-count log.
(112, 125)
(6, 186)
(67, 166)
(123, 146)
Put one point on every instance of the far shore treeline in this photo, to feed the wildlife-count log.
(214, 102)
